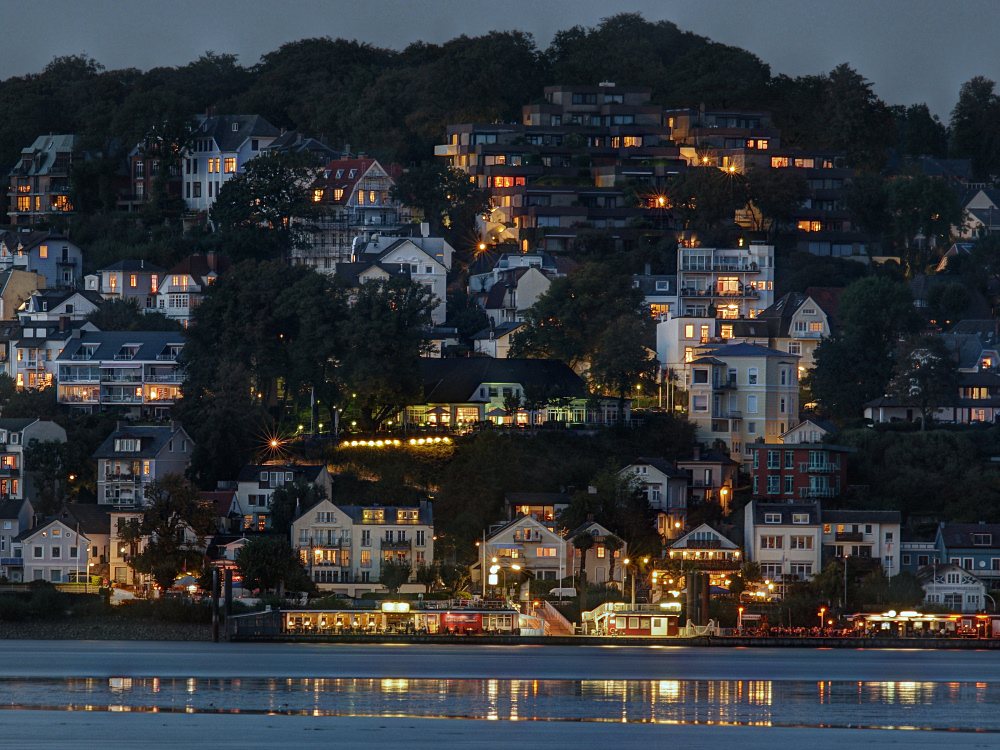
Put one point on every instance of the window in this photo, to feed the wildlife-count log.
(777, 162)
(196, 190)
(800, 542)
(794, 347)
(700, 376)
(906, 560)
(816, 327)
(982, 540)
(43, 251)
(772, 518)
(229, 165)
(699, 403)
(56, 553)
(752, 404)
(789, 484)
(38, 552)
(420, 538)
(771, 542)
(801, 570)
(751, 376)
(773, 459)
(770, 571)
(546, 552)
(800, 518)
(689, 331)
(773, 485)
(789, 459)
(923, 560)
(366, 558)
(688, 354)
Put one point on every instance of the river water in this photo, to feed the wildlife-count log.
(815, 689)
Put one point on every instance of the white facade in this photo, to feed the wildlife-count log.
(784, 539)
(53, 552)
(950, 586)
(531, 545)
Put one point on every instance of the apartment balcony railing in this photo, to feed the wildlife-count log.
(810, 468)
(121, 399)
(74, 398)
(395, 545)
(725, 385)
(183, 288)
(82, 357)
(78, 379)
(703, 544)
(329, 543)
(807, 334)
(177, 377)
(727, 415)
(9, 471)
(849, 536)
(706, 268)
(123, 477)
(811, 492)
(121, 378)
(721, 293)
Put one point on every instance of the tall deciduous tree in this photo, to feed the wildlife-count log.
(975, 127)
(924, 375)
(271, 563)
(383, 340)
(172, 529)
(774, 194)
(707, 198)
(289, 498)
(622, 359)
(394, 574)
(47, 459)
(446, 198)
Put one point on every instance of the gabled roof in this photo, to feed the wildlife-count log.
(457, 380)
(828, 298)
(93, 519)
(12, 424)
(823, 424)
(660, 464)
(425, 512)
(221, 499)
(497, 332)
(220, 128)
(48, 523)
(928, 572)
(786, 510)
(724, 541)
(354, 271)
(10, 509)
(344, 174)
(200, 267)
(521, 521)
(153, 440)
(109, 343)
(133, 266)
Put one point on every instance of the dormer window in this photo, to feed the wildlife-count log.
(127, 445)
(802, 518)
(236, 127)
(982, 540)
(772, 518)
(127, 352)
(340, 173)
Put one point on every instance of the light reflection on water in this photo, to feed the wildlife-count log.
(927, 705)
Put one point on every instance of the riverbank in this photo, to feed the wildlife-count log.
(105, 629)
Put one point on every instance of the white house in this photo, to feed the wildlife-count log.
(868, 534)
(785, 539)
(53, 552)
(666, 489)
(531, 545)
(949, 585)
(256, 483)
(343, 547)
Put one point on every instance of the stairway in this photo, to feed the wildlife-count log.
(555, 623)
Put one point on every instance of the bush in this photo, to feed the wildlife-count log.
(13, 607)
(165, 610)
(47, 603)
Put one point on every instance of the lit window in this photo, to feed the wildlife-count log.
(632, 141)
(816, 327)
(779, 161)
(230, 164)
(317, 195)
(133, 281)
(688, 354)
(689, 331)
(338, 194)
(43, 251)
(361, 198)
(726, 332)
(154, 281)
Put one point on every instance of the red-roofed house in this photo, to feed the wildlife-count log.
(356, 191)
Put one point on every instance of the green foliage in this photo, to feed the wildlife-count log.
(774, 194)
(924, 375)
(270, 563)
(706, 198)
(902, 591)
(394, 574)
(170, 532)
(622, 359)
(48, 459)
(570, 320)
(974, 127)
(620, 505)
(288, 499)
(117, 314)
(919, 132)
(446, 198)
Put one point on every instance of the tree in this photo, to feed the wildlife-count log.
(612, 543)
(446, 198)
(774, 194)
(47, 459)
(428, 575)
(270, 563)
(619, 505)
(924, 375)
(975, 132)
(394, 574)
(455, 578)
(289, 500)
(919, 132)
(866, 199)
(172, 529)
(854, 120)
(707, 198)
(569, 321)
(383, 340)
(922, 205)
(271, 201)
(124, 314)
(583, 541)
(622, 359)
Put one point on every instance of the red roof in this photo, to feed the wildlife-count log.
(346, 181)
(827, 297)
(222, 499)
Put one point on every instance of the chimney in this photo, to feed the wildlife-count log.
(649, 270)
(212, 260)
(697, 453)
(63, 323)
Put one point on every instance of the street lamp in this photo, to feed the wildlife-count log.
(739, 620)
(822, 612)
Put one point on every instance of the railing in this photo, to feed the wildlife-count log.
(849, 536)
(810, 468)
(177, 377)
(727, 415)
(805, 492)
(727, 385)
(121, 477)
(12, 561)
(79, 379)
(83, 357)
(122, 399)
(121, 378)
(704, 544)
(395, 545)
(167, 357)
(9, 471)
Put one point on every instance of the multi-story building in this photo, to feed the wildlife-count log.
(15, 434)
(587, 142)
(128, 279)
(181, 289)
(133, 456)
(796, 323)
(134, 369)
(866, 534)
(356, 194)
(973, 547)
(954, 587)
(15, 287)
(49, 318)
(344, 546)
(144, 164)
(703, 134)
(786, 472)
(713, 476)
(666, 488)
(222, 145)
(531, 545)
(742, 393)
(53, 551)
(39, 183)
(50, 255)
(732, 283)
(785, 540)
(16, 516)
(256, 483)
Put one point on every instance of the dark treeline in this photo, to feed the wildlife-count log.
(395, 104)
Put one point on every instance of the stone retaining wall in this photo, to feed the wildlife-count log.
(106, 629)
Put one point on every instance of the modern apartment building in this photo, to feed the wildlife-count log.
(39, 183)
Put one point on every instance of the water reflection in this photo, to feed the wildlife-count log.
(931, 705)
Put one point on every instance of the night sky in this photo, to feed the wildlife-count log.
(913, 50)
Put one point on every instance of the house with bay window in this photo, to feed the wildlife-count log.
(134, 455)
(343, 547)
(181, 289)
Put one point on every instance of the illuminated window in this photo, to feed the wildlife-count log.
(816, 327)
(371, 197)
(688, 354)
(361, 198)
(43, 251)
(230, 165)
(762, 144)
(689, 332)
(317, 195)
(632, 141)
(726, 332)
(546, 552)
(24, 203)
(154, 282)
(338, 194)
(133, 281)
(806, 163)
(602, 552)
(779, 161)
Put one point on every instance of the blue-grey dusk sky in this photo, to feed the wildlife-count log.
(913, 50)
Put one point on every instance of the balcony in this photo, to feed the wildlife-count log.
(812, 492)
(109, 399)
(16, 562)
(727, 415)
(167, 357)
(176, 377)
(83, 356)
(849, 536)
(405, 545)
(125, 356)
(725, 385)
(120, 378)
(826, 468)
(121, 477)
(704, 544)
(9, 471)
